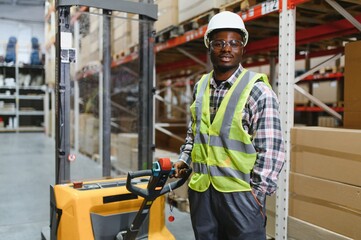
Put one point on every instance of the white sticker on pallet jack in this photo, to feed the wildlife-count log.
(145, 211)
(65, 39)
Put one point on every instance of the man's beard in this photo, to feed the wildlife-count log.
(224, 69)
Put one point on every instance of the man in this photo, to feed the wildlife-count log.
(234, 140)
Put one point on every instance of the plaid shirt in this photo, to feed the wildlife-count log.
(261, 119)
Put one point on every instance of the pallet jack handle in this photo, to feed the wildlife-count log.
(162, 169)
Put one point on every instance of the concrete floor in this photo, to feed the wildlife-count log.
(27, 169)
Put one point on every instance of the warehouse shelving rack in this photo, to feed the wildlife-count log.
(27, 98)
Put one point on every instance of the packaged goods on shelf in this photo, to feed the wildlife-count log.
(114, 145)
(134, 32)
(167, 14)
(327, 91)
(191, 9)
(188, 10)
(88, 133)
(126, 142)
(327, 121)
(243, 5)
(121, 27)
(299, 98)
(94, 19)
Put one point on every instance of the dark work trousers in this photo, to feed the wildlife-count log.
(226, 216)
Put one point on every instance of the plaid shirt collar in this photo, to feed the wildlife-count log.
(230, 81)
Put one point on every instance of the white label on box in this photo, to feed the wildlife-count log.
(315, 85)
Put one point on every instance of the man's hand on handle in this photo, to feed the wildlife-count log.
(180, 168)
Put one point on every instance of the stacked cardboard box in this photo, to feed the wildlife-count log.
(324, 182)
(88, 134)
(134, 33)
(299, 98)
(327, 121)
(352, 85)
(121, 31)
(328, 91)
(88, 52)
(126, 142)
(167, 14)
(190, 9)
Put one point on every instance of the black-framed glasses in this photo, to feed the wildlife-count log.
(220, 44)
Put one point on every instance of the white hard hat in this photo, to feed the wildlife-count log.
(226, 19)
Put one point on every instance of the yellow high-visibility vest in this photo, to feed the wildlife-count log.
(223, 153)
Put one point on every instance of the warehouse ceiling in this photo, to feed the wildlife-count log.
(22, 10)
(23, 2)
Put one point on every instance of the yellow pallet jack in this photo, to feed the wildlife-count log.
(122, 209)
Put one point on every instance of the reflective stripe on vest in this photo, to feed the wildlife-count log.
(220, 171)
(230, 143)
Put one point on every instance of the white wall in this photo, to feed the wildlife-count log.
(23, 23)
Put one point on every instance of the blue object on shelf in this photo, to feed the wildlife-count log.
(10, 55)
(35, 53)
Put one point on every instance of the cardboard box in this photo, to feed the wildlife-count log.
(91, 136)
(134, 159)
(331, 139)
(120, 25)
(167, 14)
(326, 121)
(88, 133)
(119, 46)
(336, 220)
(352, 85)
(126, 142)
(95, 18)
(191, 9)
(352, 120)
(326, 192)
(324, 182)
(299, 98)
(113, 145)
(134, 31)
(326, 91)
(327, 153)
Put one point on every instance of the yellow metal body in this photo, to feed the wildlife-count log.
(77, 206)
